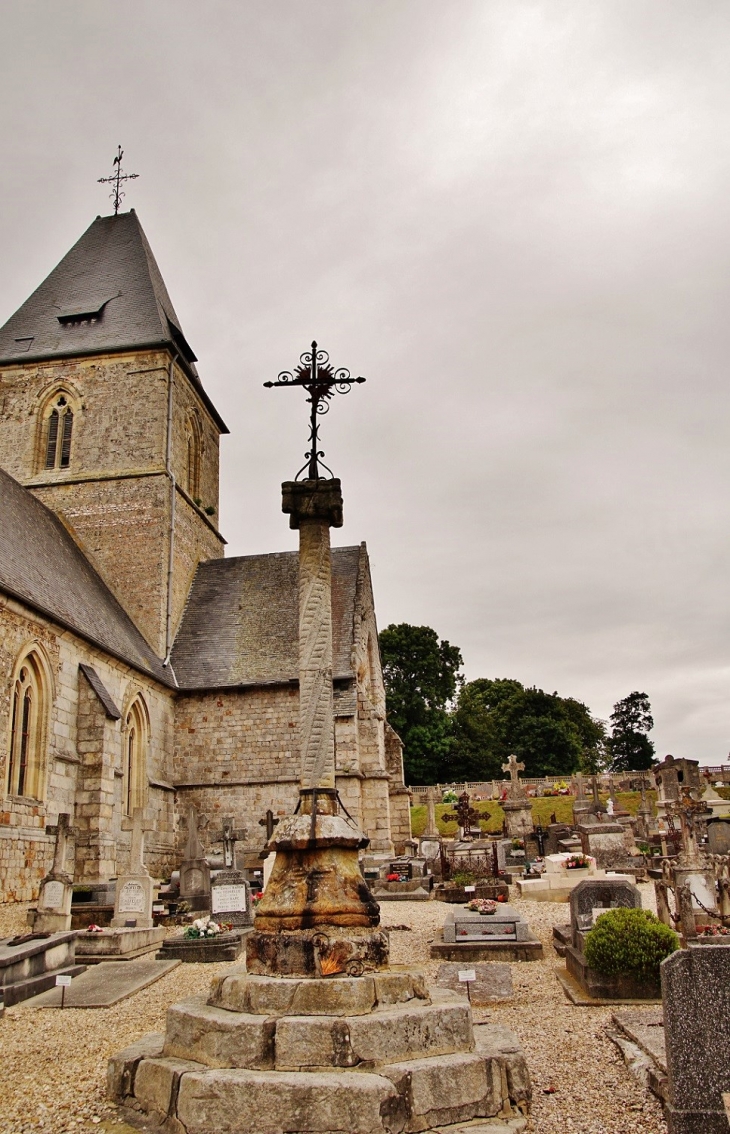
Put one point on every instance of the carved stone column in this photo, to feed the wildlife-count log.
(317, 916)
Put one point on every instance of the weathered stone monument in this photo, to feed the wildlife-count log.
(194, 869)
(517, 807)
(229, 835)
(53, 914)
(429, 844)
(317, 1033)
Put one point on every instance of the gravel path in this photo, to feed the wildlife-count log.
(53, 1064)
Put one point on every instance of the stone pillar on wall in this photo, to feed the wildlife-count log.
(96, 846)
(400, 797)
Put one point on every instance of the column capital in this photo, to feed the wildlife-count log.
(312, 500)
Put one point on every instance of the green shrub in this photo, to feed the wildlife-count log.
(463, 878)
(629, 941)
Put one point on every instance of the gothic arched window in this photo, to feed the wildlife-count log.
(59, 422)
(29, 710)
(135, 756)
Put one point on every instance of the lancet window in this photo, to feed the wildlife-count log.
(136, 734)
(194, 447)
(59, 428)
(26, 757)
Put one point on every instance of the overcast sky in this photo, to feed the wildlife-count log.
(513, 219)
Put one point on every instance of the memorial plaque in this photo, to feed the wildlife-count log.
(230, 898)
(131, 898)
(53, 895)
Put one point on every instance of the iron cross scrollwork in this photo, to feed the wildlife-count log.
(116, 180)
(321, 381)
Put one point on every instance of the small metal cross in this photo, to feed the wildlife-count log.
(116, 179)
(321, 381)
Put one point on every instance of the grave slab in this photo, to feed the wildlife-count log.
(501, 936)
(104, 985)
(31, 966)
(492, 983)
(117, 944)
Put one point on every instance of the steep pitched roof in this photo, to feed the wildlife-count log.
(106, 295)
(241, 624)
(41, 565)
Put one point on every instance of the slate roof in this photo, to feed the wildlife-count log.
(106, 295)
(241, 623)
(41, 565)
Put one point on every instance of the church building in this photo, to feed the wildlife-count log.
(140, 667)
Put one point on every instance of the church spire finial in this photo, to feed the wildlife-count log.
(116, 179)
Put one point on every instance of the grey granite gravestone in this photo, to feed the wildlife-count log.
(230, 899)
(601, 893)
(696, 1004)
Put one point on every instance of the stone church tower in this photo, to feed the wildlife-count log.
(105, 419)
(138, 666)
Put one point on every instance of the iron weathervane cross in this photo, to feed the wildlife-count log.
(321, 381)
(116, 180)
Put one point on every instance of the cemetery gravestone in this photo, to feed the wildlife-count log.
(697, 1032)
(194, 870)
(230, 899)
(133, 904)
(54, 901)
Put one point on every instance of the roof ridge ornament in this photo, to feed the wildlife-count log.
(116, 179)
(321, 381)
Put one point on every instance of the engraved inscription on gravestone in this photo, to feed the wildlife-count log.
(131, 898)
(230, 898)
(53, 895)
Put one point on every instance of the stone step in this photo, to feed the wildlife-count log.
(391, 1035)
(217, 1037)
(239, 991)
(440, 1093)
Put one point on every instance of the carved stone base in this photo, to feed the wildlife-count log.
(317, 952)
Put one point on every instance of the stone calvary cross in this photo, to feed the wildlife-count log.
(138, 825)
(514, 767)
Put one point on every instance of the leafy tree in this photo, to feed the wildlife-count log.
(421, 677)
(552, 735)
(629, 746)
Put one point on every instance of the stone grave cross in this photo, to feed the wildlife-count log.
(138, 825)
(54, 900)
(514, 767)
(431, 831)
(194, 870)
(229, 836)
(579, 789)
(63, 831)
(269, 822)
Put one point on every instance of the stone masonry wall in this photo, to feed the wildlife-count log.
(78, 768)
(115, 495)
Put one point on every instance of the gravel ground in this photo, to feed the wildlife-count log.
(53, 1064)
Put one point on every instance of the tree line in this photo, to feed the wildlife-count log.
(455, 730)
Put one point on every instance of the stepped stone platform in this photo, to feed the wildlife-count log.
(31, 965)
(371, 1054)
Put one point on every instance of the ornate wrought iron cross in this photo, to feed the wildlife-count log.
(321, 381)
(116, 180)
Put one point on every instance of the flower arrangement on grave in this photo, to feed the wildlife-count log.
(449, 797)
(205, 927)
(576, 862)
(392, 877)
(482, 906)
(713, 931)
(631, 941)
(518, 844)
(93, 928)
